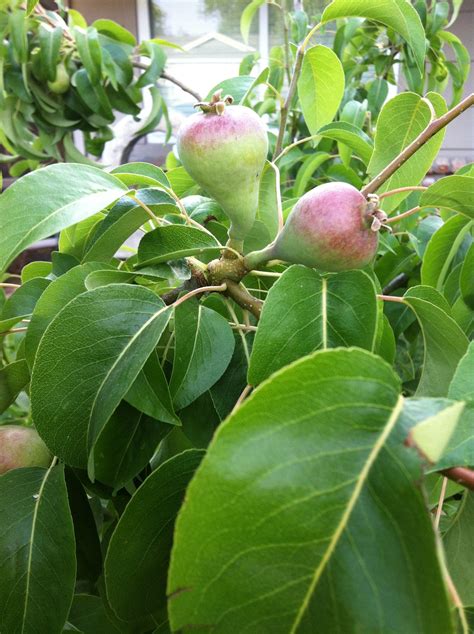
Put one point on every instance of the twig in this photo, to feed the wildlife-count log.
(245, 392)
(265, 273)
(12, 331)
(292, 89)
(461, 475)
(241, 329)
(243, 298)
(154, 218)
(203, 289)
(293, 145)
(170, 78)
(435, 126)
(8, 285)
(442, 495)
(391, 298)
(244, 327)
(399, 190)
(405, 214)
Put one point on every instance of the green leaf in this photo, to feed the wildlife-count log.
(49, 46)
(306, 311)
(269, 200)
(30, 6)
(136, 585)
(141, 174)
(466, 280)
(203, 350)
(125, 217)
(181, 181)
(459, 548)
(150, 392)
(438, 327)
(13, 378)
(351, 136)
(50, 199)
(115, 31)
(442, 249)
(307, 169)
(172, 242)
(157, 63)
(81, 372)
(37, 551)
(432, 435)
(455, 193)
(125, 445)
(236, 87)
(247, 17)
(90, 52)
(320, 87)
(55, 297)
(21, 304)
(89, 615)
(334, 408)
(401, 120)
(398, 15)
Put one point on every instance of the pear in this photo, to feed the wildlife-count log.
(21, 447)
(224, 149)
(331, 228)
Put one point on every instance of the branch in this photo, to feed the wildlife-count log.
(243, 298)
(461, 475)
(398, 282)
(170, 78)
(435, 126)
(292, 89)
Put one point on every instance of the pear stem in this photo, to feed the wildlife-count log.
(405, 214)
(433, 127)
(256, 258)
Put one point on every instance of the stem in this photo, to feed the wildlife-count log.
(286, 39)
(403, 215)
(256, 258)
(398, 282)
(292, 89)
(243, 298)
(8, 285)
(266, 274)
(203, 289)
(170, 78)
(241, 328)
(435, 126)
(399, 190)
(461, 475)
(244, 327)
(12, 331)
(245, 392)
(442, 495)
(293, 145)
(391, 298)
(154, 218)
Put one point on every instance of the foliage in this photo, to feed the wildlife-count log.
(241, 444)
(59, 76)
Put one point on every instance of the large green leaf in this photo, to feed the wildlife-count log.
(203, 350)
(88, 358)
(460, 451)
(459, 549)
(22, 303)
(172, 242)
(305, 311)
(50, 199)
(351, 136)
(320, 86)
(442, 249)
(89, 615)
(400, 122)
(13, 378)
(466, 279)
(398, 15)
(136, 585)
(272, 451)
(37, 551)
(55, 297)
(438, 328)
(455, 193)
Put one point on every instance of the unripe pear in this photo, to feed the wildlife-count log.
(22, 447)
(329, 228)
(61, 83)
(224, 149)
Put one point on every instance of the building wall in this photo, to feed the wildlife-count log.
(122, 11)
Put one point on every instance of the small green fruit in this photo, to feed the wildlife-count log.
(21, 447)
(329, 229)
(61, 83)
(224, 149)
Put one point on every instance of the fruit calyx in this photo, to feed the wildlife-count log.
(217, 104)
(379, 217)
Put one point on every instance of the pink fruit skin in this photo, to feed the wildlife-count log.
(21, 447)
(225, 154)
(328, 229)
